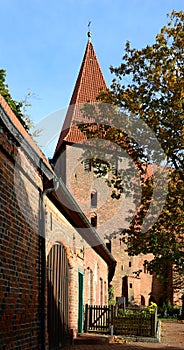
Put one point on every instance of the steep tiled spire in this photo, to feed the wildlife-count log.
(88, 85)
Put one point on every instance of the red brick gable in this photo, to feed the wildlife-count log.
(89, 83)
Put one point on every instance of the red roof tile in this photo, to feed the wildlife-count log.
(89, 83)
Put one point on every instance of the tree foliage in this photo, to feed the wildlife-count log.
(155, 91)
(19, 108)
(155, 88)
(149, 86)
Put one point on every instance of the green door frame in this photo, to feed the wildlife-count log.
(80, 300)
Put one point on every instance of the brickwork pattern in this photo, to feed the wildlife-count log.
(80, 256)
(110, 216)
(20, 252)
(81, 183)
(23, 211)
(141, 284)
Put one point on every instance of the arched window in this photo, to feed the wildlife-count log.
(101, 291)
(90, 286)
(105, 292)
(94, 199)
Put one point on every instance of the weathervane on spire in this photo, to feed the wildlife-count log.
(89, 31)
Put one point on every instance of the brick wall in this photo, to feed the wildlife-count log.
(98, 279)
(112, 215)
(81, 183)
(19, 249)
(141, 284)
(81, 257)
(24, 251)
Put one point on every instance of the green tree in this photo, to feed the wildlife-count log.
(155, 88)
(19, 108)
(149, 86)
(111, 299)
(155, 91)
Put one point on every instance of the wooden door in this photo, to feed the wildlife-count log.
(57, 296)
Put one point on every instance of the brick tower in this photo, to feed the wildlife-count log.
(92, 193)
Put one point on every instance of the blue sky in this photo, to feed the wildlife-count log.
(42, 42)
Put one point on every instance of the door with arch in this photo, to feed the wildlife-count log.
(57, 296)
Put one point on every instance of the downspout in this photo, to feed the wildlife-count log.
(43, 261)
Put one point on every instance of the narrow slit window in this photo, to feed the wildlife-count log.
(94, 220)
(94, 199)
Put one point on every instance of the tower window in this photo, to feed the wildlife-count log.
(94, 220)
(130, 264)
(94, 199)
(130, 285)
